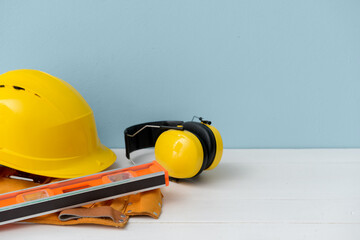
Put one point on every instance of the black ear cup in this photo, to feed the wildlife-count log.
(207, 140)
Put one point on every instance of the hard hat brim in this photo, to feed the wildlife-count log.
(98, 160)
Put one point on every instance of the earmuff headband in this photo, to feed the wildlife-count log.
(145, 135)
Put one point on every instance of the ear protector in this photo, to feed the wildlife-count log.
(184, 149)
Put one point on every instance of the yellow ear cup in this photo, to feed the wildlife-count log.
(180, 153)
(219, 147)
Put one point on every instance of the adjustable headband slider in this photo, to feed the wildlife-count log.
(204, 121)
(154, 126)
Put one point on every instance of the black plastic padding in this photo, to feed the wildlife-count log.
(207, 140)
(146, 138)
(213, 146)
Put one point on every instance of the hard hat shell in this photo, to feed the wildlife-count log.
(47, 128)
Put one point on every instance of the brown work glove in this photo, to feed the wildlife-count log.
(114, 212)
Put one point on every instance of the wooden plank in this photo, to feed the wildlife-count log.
(181, 231)
(252, 194)
(293, 186)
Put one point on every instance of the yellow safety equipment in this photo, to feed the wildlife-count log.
(184, 149)
(47, 128)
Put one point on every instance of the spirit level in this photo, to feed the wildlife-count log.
(53, 197)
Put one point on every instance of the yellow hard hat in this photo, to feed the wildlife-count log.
(47, 128)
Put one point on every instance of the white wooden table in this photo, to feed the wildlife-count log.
(252, 194)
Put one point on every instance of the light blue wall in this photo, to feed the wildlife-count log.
(269, 74)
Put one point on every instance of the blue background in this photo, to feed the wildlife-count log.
(269, 74)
